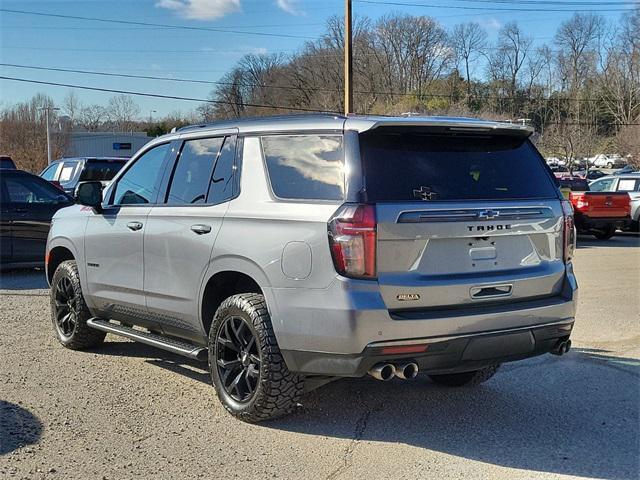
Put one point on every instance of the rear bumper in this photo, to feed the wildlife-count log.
(584, 223)
(440, 355)
(338, 330)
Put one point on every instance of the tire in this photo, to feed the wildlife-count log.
(243, 350)
(465, 379)
(69, 312)
(605, 234)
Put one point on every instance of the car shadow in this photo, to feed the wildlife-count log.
(574, 415)
(190, 368)
(18, 427)
(620, 240)
(31, 279)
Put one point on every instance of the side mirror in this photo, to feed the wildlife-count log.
(90, 195)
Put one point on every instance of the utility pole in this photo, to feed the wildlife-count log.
(46, 117)
(348, 59)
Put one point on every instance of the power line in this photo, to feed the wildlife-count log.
(278, 87)
(149, 24)
(222, 102)
(158, 95)
(550, 2)
(496, 9)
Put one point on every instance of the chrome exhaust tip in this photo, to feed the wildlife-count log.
(383, 371)
(407, 371)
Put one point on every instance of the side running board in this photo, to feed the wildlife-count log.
(169, 344)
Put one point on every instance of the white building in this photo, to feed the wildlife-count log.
(105, 144)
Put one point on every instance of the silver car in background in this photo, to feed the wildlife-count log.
(290, 251)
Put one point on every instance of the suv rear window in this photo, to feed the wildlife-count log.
(100, 170)
(416, 166)
(306, 167)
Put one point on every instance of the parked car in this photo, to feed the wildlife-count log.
(607, 161)
(6, 162)
(599, 212)
(626, 170)
(590, 174)
(574, 183)
(68, 172)
(290, 251)
(559, 171)
(27, 204)
(629, 183)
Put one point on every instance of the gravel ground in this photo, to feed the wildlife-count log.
(130, 411)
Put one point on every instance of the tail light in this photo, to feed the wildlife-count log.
(568, 231)
(352, 238)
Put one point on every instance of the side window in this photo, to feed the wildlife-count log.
(305, 166)
(28, 190)
(604, 185)
(221, 188)
(139, 184)
(50, 172)
(628, 185)
(192, 173)
(67, 171)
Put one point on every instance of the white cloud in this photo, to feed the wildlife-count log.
(289, 6)
(201, 9)
(491, 23)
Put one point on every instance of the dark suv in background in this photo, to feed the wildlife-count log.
(68, 172)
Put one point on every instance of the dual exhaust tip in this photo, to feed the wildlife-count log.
(562, 347)
(386, 371)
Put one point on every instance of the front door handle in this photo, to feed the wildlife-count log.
(200, 229)
(134, 226)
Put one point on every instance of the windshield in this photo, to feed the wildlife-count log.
(414, 166)
(101, 170)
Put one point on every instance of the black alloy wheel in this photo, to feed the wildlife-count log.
(238, 359)
(66, 307)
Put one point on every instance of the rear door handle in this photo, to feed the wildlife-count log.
(134, 226)
(200, 229)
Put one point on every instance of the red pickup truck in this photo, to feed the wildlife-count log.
(600, 213)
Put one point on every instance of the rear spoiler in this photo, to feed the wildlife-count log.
(444, 125)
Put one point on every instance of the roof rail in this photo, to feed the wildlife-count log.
(233, 121)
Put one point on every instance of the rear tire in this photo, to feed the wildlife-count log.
(69, 312)
(247, 370)
(606, 233)
(465, 379)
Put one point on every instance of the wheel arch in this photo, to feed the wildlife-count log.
(55, 256)
(230, 276)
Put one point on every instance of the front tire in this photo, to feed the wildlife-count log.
(465, 379)
(69, 312)
(247, 370)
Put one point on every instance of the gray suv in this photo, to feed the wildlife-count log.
(291, 251)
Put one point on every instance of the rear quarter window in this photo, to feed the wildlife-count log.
(415, 166)
(306, 167)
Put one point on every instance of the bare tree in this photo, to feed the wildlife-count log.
(415, 49)
(577, 40)
(92, 117)
(23, 133)
(122, 111)
(507, 60)
(469, 42)
(71, 106)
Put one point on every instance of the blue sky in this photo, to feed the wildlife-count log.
(203, 55)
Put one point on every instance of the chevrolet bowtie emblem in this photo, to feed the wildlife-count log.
(488, 214)
(424, 193)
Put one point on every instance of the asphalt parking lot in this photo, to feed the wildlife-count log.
(130, 411)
